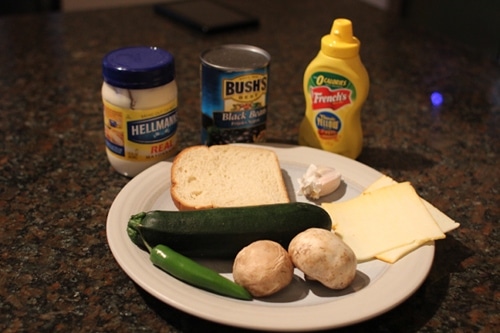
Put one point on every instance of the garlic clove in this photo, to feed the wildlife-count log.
(329, 182)
(319, 181)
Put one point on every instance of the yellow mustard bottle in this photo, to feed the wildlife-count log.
(336, 85)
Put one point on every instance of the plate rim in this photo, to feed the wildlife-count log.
(276, 318)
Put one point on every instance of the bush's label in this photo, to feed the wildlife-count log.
(234, 105)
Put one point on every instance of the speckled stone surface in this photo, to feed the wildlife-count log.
(57, 272)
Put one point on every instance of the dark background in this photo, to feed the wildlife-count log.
(474, 23)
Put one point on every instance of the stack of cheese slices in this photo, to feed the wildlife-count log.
(387, 221)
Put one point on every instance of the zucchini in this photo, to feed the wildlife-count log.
(223, 232)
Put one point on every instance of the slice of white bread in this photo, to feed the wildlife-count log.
(226, 176)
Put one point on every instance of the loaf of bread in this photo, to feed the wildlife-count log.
(226, 176)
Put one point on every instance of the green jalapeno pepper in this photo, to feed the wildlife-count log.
(191, 272)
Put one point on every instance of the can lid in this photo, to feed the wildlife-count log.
(138, 67)
(340, 43)
(236, 57)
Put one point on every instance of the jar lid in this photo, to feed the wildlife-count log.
(138, 67)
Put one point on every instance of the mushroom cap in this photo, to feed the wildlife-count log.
(263, 268)
(323, 256)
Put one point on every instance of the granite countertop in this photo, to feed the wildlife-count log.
(57, 272)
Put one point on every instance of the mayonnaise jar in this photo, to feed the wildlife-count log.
(139, 94)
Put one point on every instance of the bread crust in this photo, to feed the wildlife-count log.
(178, 202)
(213, 152)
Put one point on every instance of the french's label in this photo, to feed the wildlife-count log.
(141, 135)
(330, 95)
(333, 99)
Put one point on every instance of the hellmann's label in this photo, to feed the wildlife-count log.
(141, 135)
(330, 95)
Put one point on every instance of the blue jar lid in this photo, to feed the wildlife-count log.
(138, 67)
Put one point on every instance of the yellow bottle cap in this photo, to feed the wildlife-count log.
(340, 43)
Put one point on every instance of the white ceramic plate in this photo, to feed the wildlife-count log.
(377, 288)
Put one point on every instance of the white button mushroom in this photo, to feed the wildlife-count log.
(263, 268)
(323, 256)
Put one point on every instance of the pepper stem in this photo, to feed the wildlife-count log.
(148, 247)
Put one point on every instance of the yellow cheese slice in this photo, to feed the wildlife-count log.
(394, 255)
(382, 220)
(445, 223)
(379, 183)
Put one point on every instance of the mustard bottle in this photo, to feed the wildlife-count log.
(336, 85)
